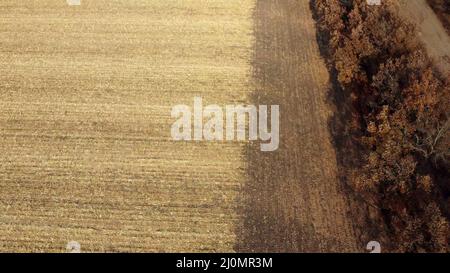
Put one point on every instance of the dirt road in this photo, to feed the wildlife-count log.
(86, 154)
(431, 31)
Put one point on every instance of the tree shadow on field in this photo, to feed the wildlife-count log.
(278, 205)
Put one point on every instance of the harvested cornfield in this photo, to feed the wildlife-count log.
(86, 153)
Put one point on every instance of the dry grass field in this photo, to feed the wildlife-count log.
(431, 31)
(85, 150)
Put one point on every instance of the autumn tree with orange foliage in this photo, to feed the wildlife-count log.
(399, 120)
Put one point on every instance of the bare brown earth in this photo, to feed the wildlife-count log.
(294, 201)
(431, 31)
(85, 149)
